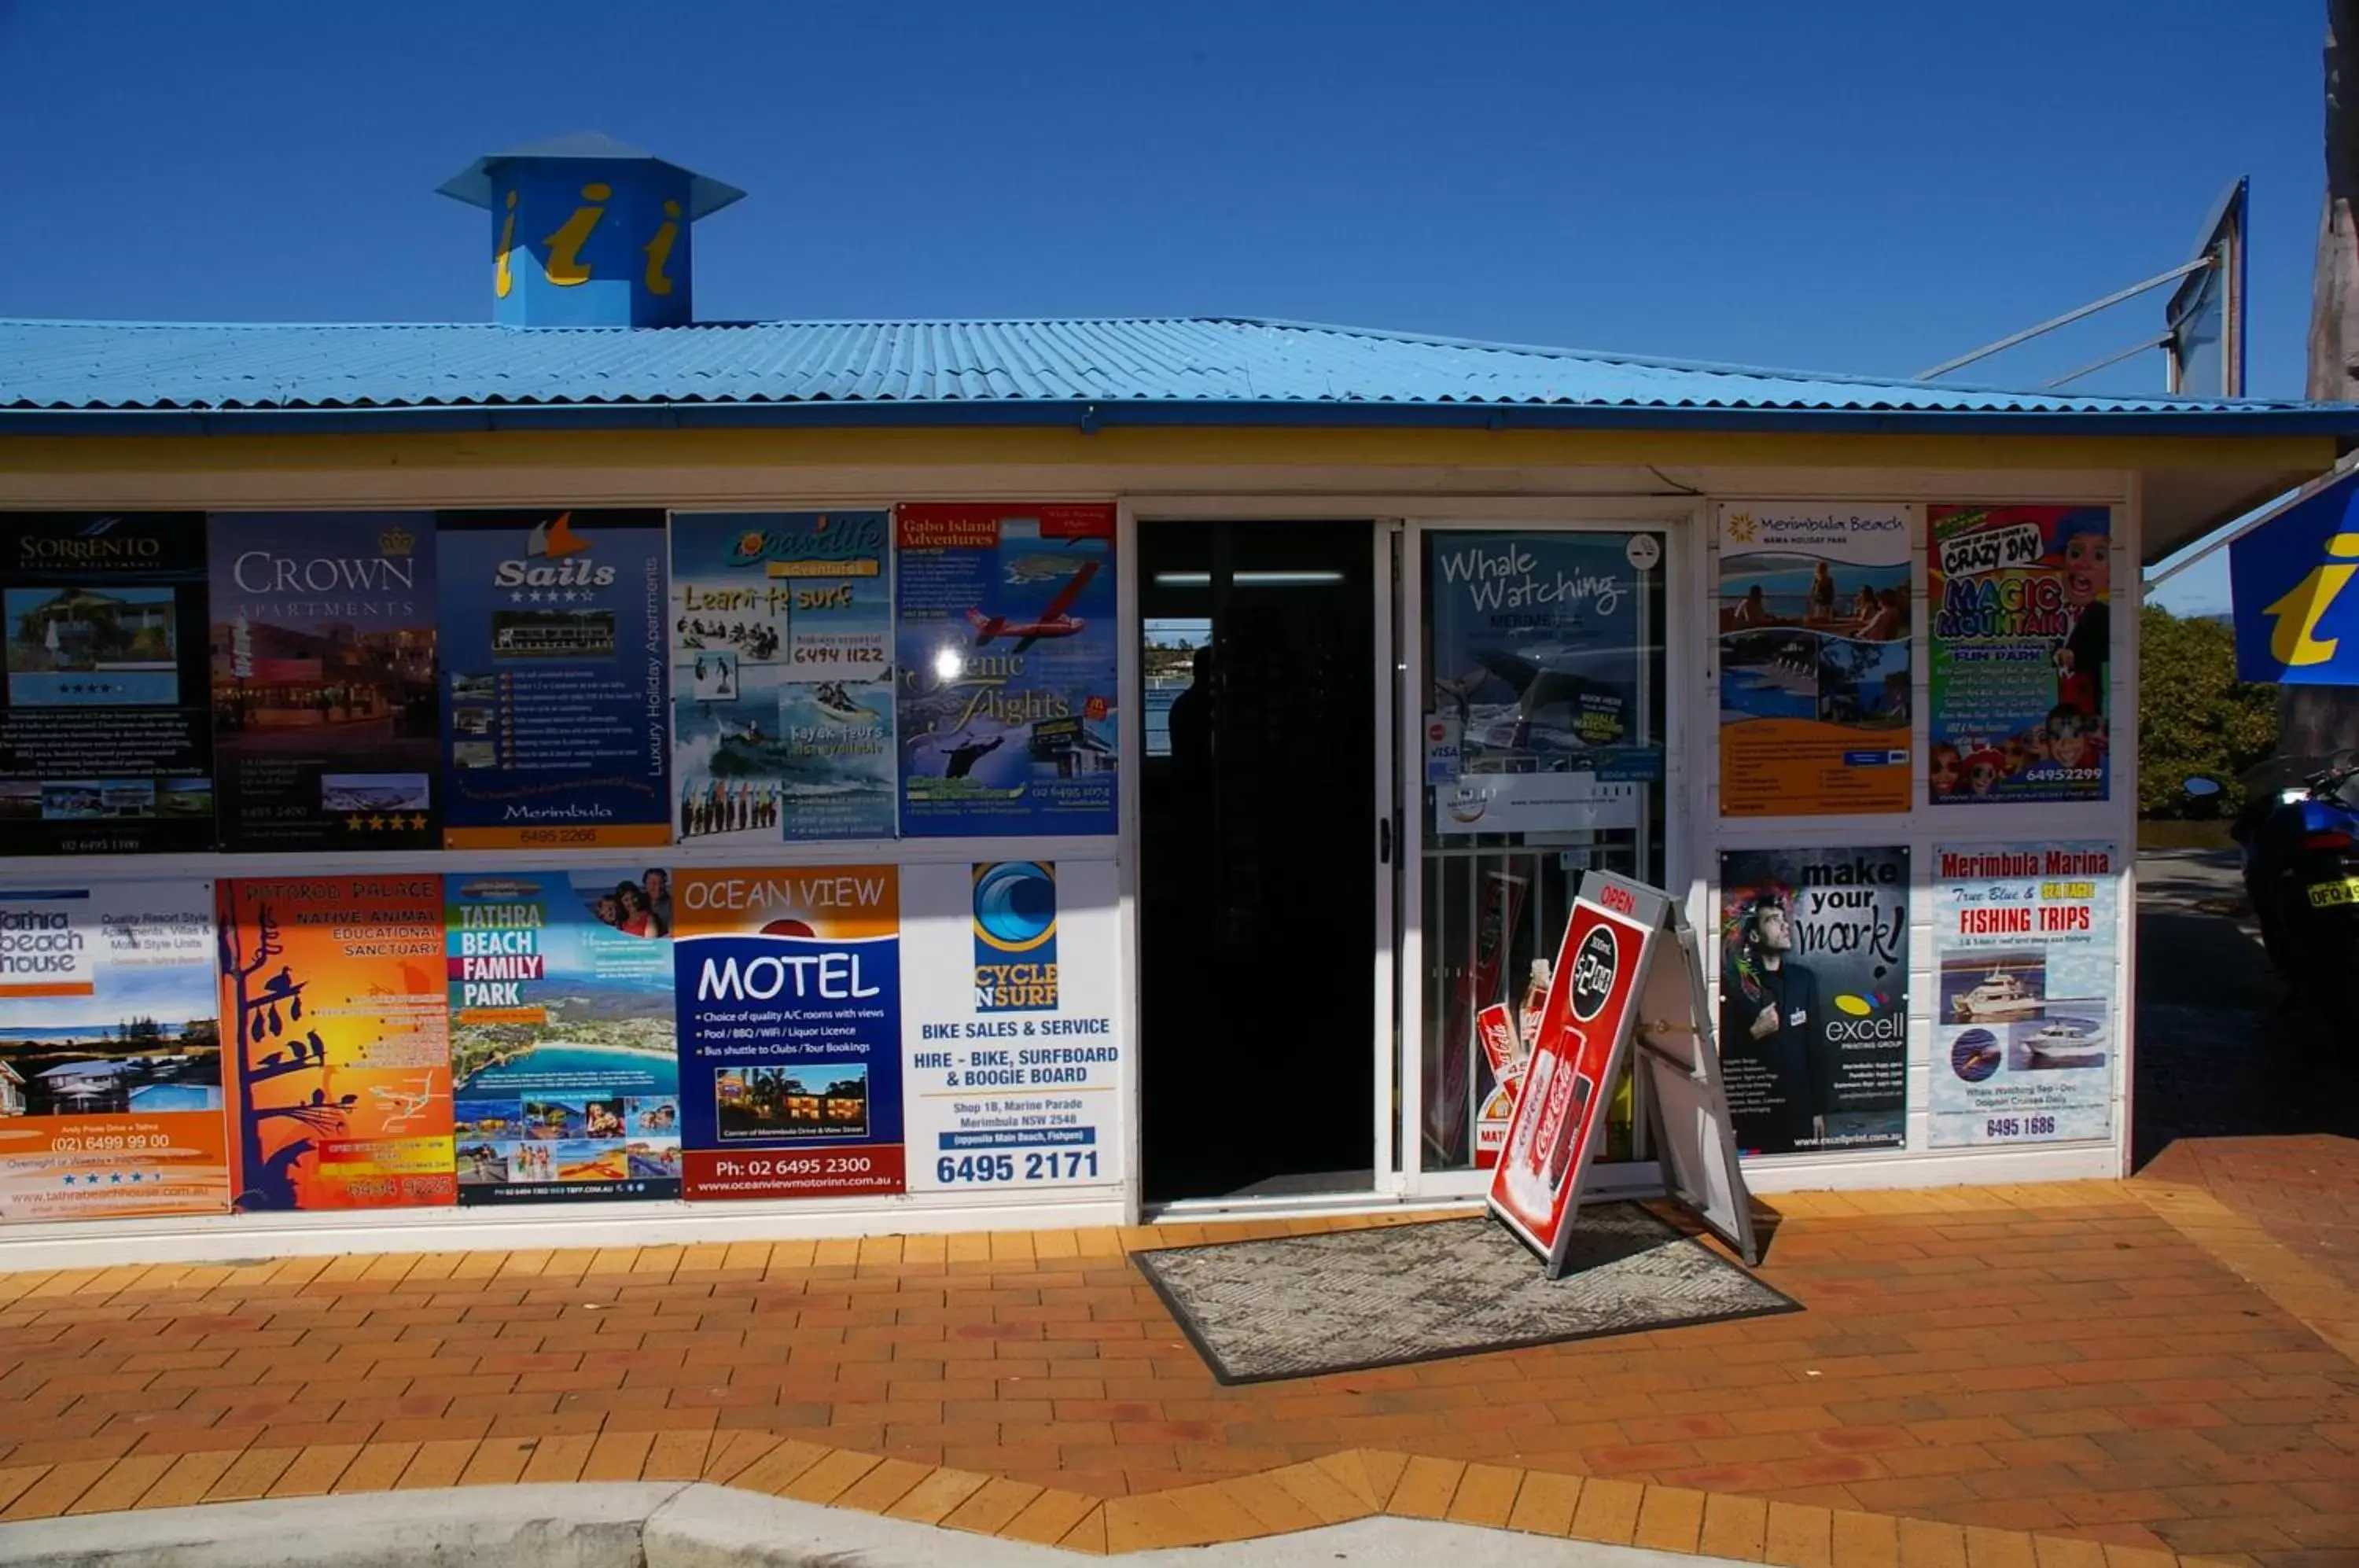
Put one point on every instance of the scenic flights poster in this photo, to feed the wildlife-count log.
(339, 1064)
(1534, 723)
(327, 733)
(105, 730)
(552, 659)
(565, 1076)
(2024, 935)
(1814, 998)
(1015, 1067)
(110, 1059)
(782, 676)
(1814, 673)
(2021, 655)
(1006, 662)
(789, 988)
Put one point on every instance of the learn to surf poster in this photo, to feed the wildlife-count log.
(782, 691)
(327, 732)
(1814, 618)
(1536, 721)
(338, 1028)
(105, 720)
(564, 1066)
(110, 1054)
(790, 986)
(553, 665)
(1007, 669)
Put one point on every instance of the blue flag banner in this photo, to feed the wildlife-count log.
(2296, 610)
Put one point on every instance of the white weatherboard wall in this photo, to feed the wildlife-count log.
(1925, 829)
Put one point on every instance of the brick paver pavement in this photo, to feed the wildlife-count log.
(2300, 1190)
(2108, 1365)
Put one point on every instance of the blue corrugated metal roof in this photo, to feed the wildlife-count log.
(1123, 370)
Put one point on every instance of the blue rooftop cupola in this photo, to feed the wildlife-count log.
(589, 232)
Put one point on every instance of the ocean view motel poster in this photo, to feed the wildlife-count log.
(1814, 617)
(327, 733)
(338, 1029)
(105, 720)
(565, 1076)
(109, 1056)
(1006, 663)
(782, 682)
(789, 988)
(553, 664)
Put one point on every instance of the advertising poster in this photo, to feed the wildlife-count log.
(789, 986)
(1814, 998)
(565, 1076)
(552, 660)
(109, 1057)
(2022, 649)
(1006, 655)
(1016, 1072)
(327, 731)
(1814, 674)
(2023, 1049)
(1560, 1108)
(339, 1076)
(105, 726)
(1535, 721)
(782, 676)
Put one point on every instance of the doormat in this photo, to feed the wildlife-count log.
(1346, 1300)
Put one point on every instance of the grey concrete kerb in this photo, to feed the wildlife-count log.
(686, 1525)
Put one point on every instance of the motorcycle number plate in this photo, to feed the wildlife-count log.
(2323, 893)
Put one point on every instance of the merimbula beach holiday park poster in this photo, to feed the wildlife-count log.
(1814, 617)
(1006, 669)
(110, 1054)
(2022, 651)
(564, 1046)
(782, 692)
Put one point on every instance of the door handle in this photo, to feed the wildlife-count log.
(1384, 840)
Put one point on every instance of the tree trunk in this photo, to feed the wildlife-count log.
(2315, 720)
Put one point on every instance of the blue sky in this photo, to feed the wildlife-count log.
(1837, 186)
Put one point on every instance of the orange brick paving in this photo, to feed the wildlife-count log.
(2073, 1361)
(2299, 1189)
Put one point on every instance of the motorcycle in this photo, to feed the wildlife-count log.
(2298, 829)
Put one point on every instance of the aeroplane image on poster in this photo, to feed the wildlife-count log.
(1053, 622)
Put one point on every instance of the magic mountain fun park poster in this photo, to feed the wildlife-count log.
(2021, 651)
(1006, 669)
(782, 676)
(553, 673)
(105, 721)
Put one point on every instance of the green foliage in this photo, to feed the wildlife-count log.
(2194, 715)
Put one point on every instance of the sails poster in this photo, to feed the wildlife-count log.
(327, 729)
(782, 691)
(1814, 618)
(105, 721)
(553, 665)
(1007, 671)
(339, 1032)
(2023, 1048)
(565, 1072)
(109, 1053)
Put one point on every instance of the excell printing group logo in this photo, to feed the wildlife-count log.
(1016, 936)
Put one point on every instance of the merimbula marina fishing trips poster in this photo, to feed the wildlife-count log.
(564, 1062)
(1814, 615)
(326, 721)
(109, 1053)
(1007, 669)
(2023, 1048)
(553, 665)
(789, 981)
(338, 1027)
(782, 689)
(2022, 654)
